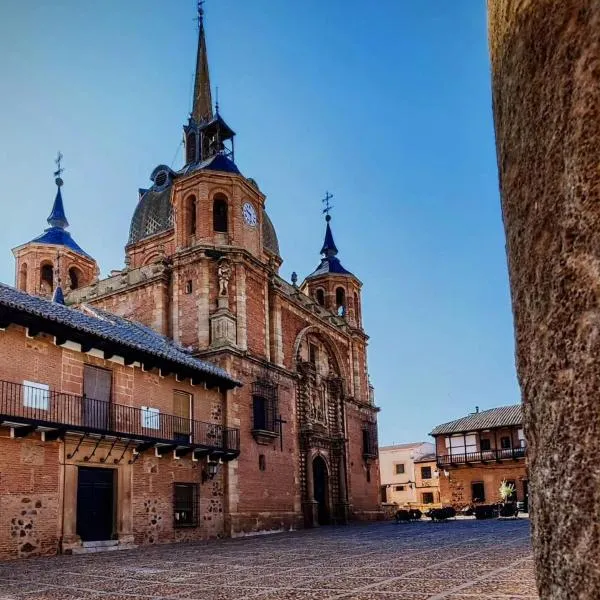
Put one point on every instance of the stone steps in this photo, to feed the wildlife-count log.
(103, 546)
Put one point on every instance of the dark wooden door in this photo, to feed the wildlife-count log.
(182, 425)
(97, 384)
(321, 491)
(95, 503)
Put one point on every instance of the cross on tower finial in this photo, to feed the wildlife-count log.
(328, 205)
(59, 169)
(200, 10)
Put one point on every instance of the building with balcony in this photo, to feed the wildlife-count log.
(400, 472)
(475, 453)
(109, 433)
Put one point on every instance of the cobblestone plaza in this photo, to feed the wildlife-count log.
(455, 560)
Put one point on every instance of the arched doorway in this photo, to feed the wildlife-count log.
(321, 489)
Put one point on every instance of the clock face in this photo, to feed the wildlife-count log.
(249, 214)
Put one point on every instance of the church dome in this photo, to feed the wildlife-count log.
(270, 241)
(152, 215)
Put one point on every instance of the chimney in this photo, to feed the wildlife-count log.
(476, 409)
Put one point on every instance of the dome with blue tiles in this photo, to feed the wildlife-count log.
(57, 233)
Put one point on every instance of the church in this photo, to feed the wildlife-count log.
(193, 394)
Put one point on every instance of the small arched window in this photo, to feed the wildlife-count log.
(23, 277)
(191, 215)
(74, 278)
(47, 277)
(220, 217)
(190, 148)
(340, 301)
(320, 294)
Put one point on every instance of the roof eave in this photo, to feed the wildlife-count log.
(60, 330)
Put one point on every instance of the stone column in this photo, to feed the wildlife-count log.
(124, 507)
(546, 88)
(70, 539)
(311, 506)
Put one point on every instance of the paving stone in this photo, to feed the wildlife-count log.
(462, 560)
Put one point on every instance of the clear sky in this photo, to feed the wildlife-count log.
(386, 104)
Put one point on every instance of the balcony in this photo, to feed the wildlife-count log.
(483, 456)
(28, 409)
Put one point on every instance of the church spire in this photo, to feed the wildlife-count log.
(202, 110)
(329, 248)
(57, 216)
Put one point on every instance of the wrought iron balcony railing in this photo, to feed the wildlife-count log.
(28, 408)
(483, 456)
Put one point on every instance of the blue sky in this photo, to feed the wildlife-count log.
(385, 104)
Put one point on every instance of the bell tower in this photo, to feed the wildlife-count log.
(330, 284)
(53, 260)
(206, 133)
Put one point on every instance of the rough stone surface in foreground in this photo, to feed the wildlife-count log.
(457, 560)
(546, 83)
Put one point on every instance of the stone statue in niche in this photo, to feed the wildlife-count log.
(224, 274)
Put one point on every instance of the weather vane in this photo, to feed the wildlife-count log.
(59, 169)
(328, 206)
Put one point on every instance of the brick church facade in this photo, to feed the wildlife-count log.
(201, 276)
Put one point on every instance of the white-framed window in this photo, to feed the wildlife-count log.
(456, 444)
(36, 395)
(150, 418)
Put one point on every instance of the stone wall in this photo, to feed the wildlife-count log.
(455, 488)
(545, 59)
(29, 496)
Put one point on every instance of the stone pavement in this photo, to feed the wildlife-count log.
(456, 560)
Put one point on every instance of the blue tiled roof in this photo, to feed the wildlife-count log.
(111, 328)
(60, 237)
(329, 264)
(218, 162)
(329, 246)
(57, 216)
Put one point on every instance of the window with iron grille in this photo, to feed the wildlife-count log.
(185, 505)
(264, 406)
(369, 434)
(425, 472)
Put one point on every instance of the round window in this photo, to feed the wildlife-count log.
(161, 178)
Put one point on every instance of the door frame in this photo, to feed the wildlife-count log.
(327, 484)
(115, 496)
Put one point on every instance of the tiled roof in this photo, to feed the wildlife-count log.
(270, 240)
(112, 328)
(402, 446)
(218, 162)
(329, 264)
(426, 458)
(503, 416)
(60, 237)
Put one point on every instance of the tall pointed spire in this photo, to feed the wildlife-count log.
(57, 216)
(329, 248)
(202, 110)
(330, 263)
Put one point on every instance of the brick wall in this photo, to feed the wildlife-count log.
(455, 489)
(31, 471)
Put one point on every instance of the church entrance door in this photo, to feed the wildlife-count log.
(321, 489)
